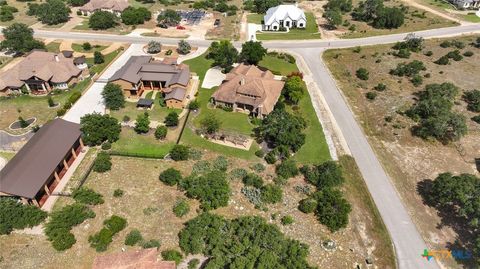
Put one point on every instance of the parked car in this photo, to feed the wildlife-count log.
(216, 23)
(179, 27)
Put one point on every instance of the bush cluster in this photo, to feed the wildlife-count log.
(87, 196)
(181, 208)
(15, 215)
(104, 237)
(133, 237)
(171, 176)
(172, 255)
(102, 163)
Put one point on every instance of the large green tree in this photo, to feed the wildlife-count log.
(211, 189)
(135, 16)
(334, 17)
(101, 20)
(113, 96)
(294, 89)
(261, 6)
(223, 53)
(332, 209)
(18, 37)
(169, 17)
(252, 52)
(53, 12)
(97, 128)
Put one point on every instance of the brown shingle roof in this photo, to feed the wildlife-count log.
(138, 259)
(32, 166)
(47, 66)
(246, 84)
(115, 5)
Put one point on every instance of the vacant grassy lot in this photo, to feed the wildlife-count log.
(21, 15)
(310, 32)
(143, 144)
(406, 158)
(280, 66)
(444, 6)
(34, 106)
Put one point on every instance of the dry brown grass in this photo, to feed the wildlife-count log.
(409, 159)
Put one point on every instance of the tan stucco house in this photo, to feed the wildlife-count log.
(142, 73)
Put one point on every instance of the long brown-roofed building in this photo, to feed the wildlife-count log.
(248, 89)
(114, 6)
(137, 259)
(38, 167)
(40, 72)
(142, 73)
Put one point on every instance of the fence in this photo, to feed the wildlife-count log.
(183, 127)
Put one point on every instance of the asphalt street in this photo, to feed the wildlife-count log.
(408, 243)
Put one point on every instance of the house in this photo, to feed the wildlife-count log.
(284, 16)
(142, 73)
(248, 89)
(113, 6)
(134, 259)
(39, 166)
(466, 4)
(40, 72)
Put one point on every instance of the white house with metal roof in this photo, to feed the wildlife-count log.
(284, 16)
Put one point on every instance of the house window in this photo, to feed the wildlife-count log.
(300, 25)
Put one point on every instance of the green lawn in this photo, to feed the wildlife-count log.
(255, 18)
(158, 113)
(315, 150)
(98, 68)
(7, 155)
(53, 47)
(277, 65)
(199, 65)
(133, 143)
(471, 18)
(310, 32)
(79, 48)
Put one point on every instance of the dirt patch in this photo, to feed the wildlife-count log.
(408, 159)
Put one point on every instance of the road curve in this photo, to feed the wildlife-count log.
(408, 243)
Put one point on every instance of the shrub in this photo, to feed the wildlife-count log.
(455, 55)
(142, 124)
(171, 119)
(194, 105)
(362, 73)
(260, 153)
(87, 196)
(258, 167)
(211, 189)
(326, 175)
(193, 263)
(473, 100)
(403, 53)
(332, 210)
(133, 237)
(307, 205)
(171, 176)
(476, 119)
(253, 195)
(417, 80)
(408, 69)
(201, 167)
(86, 46)
(180, 153)
(118, 193)
(51, 103)
(371, 95)
(106, 145)
(102, 163)
(183, 47)
(102, 239)
(252, 179)
(271, 157)
(181, 208)
(98, 58)
(61, 112)
(210, 124)
(102, 20)
(161, 132)
(287, 220)
(154, 47)
(444, 60)
(63, 239)
(238, 173)
(152, 243)
(468, 53)
(429, 53)
(172, 255)
(220, 163)
(15, 215)
(271, 194)
(287, 168)
(380, 87)
(113, 96)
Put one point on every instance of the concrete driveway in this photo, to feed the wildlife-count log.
(213, 78)
(92, 101)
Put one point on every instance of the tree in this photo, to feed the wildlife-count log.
(77, 3)
(169, 17)
(18, 37)
(342, 6)
(183, 47)
(281, 128)
(154, 47)
(210, 124)
(368, 10)
(362, 73)
(102, 163)
(6, 13)
(171, 119)
(98, 57)
(412, 43)
(194, 105)
(332, 209)
(135, 16)
(326, 175)
(161, 132)
(180, 153)
(15, 215)
(101, 20)
(334, 17)
(86, 46)
(211, 189)
(261, 6)
(171, 176)
(294, 89)
(252, 52)
(223, 54)
(473, 100)
(142, 124)
(287, 169)
(172, 255)
(389, 18)
(113, 96)
(98, 128)
(307, 205)
(252, 179)
(133, 237)
(53, 12)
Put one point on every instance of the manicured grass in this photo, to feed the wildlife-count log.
(199, 65)
(53, 47)
(255, 18)
(471, 18)
(277, 65)
(7, 155)
(79, 48)
(158, 113)
(149, 95)
(310, 32)
(315, 150)
(133, 143)
(98, 68)
(34, 106)
(231, 121)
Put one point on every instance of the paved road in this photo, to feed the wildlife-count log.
(408, 243)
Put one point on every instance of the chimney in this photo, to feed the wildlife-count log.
(56, 58)
(242, 81)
